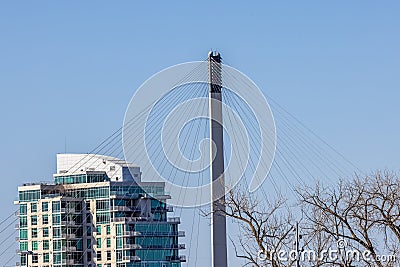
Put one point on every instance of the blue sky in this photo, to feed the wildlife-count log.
(68, 70)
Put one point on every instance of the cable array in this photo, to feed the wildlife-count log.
(301, 157)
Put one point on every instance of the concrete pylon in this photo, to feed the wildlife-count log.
(218, 219)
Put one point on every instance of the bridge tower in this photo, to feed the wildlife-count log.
(218, 219)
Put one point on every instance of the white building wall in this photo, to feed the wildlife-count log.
(116, 169)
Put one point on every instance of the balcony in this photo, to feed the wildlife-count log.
(167, 209)
(68, 261)
(132, 246)
(69, 223)
(130, 219)
(179, 233)
(131, 258)
(177, 258)
(180, 246)
(128, 233)
(120, 208)
(174, 246)
(68, 249)
(174, 220)
(68, 236)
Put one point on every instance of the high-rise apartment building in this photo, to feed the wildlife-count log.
(97, 212)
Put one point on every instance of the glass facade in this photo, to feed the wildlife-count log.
(81, 178)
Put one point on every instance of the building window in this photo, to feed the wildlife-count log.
(99, 256)
(33, 207)
(79, 244)
(89, 243)
(23, 221)
(35, 258)
(56, 206)
(45, 219)
(45, 206)
(98, 229)
(108, 242)
(45, 232)
(34, 232)
(108, 229)
(88, 256)
(29, 195)
(102, 205)
(34, 220)
(46, 257)
(56, 258)
(56, 219)
(23, 234)
(103, 217)
(88, 230)
(119, 229)
(108, 255)
(23, 246)
(57, 245)
(34, 245)
(119, 255)
(98, 242)
(57, 232)
(119, 242)
(23, 260)
(46, 244)
(22, 209)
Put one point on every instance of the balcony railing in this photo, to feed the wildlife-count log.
(68, 261)
(69, 248)
(174, 220)
(181, 258)
(132, 246)
(70, 223)
(68, 236)
(131, 258)
(130, 219)
(174, 246)
(179, 233)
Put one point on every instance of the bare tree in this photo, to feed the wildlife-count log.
(358, 215)
(363, 213)
(265, 227)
